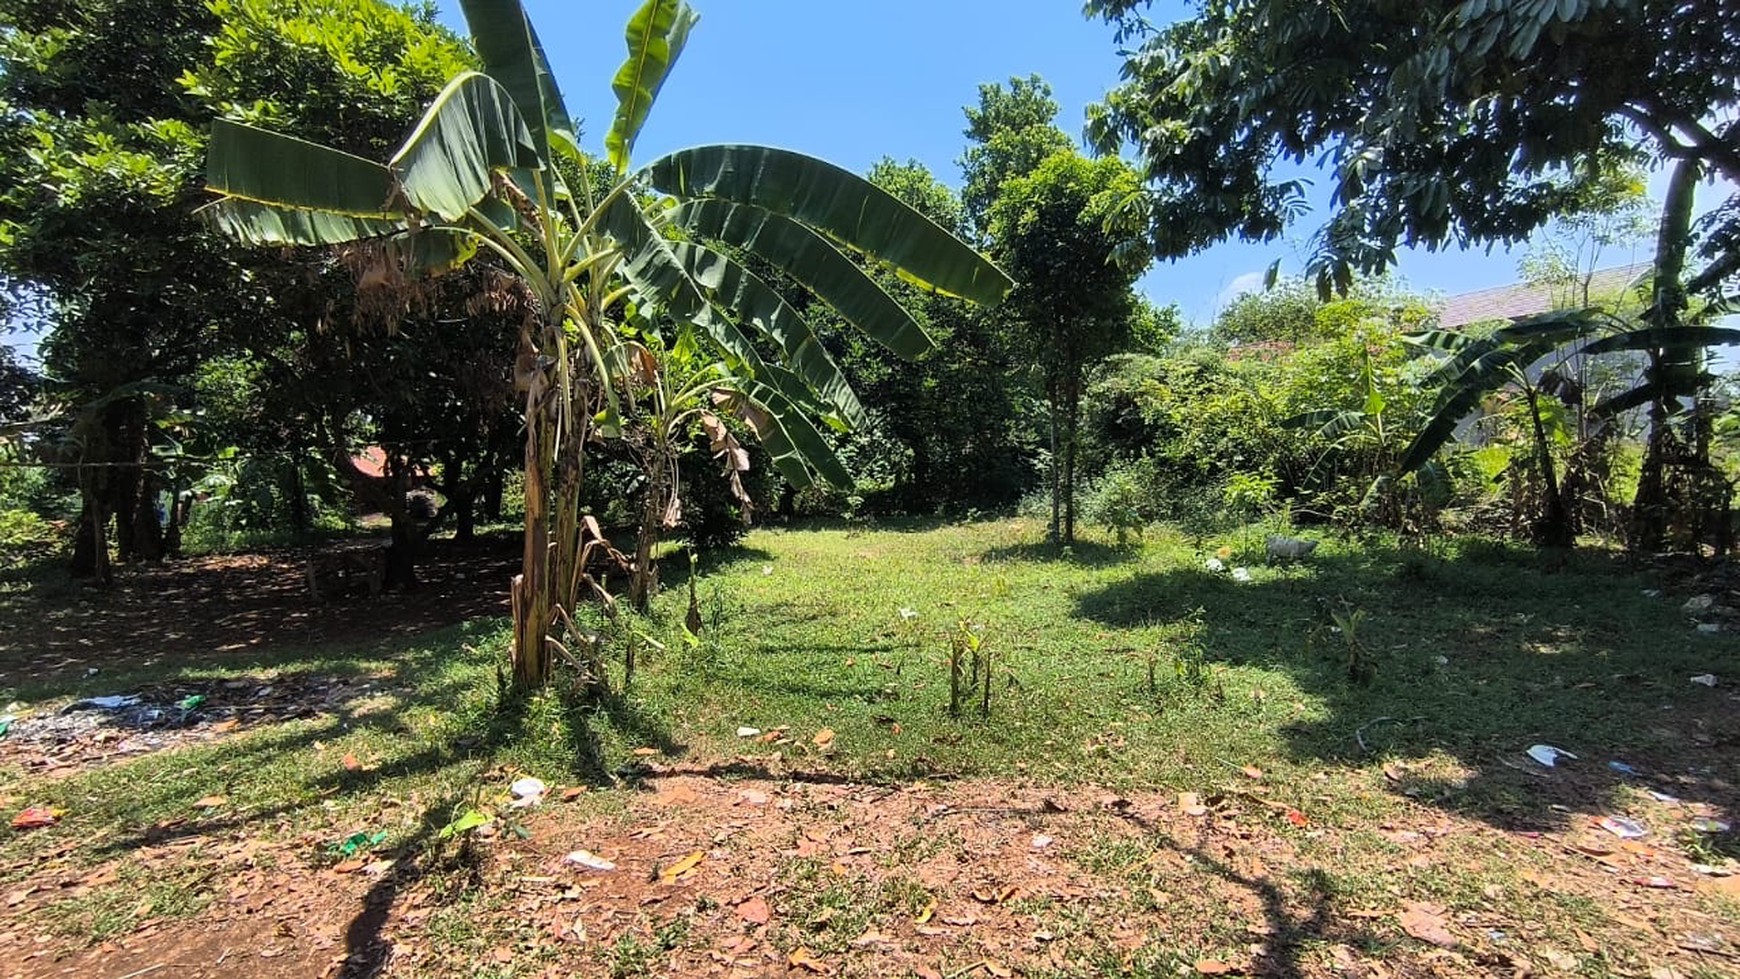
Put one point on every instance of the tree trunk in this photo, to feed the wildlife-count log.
(533, 590)
(1072, 413)
(1054, 531)
(1554, 529)
(1650, 516)
(90, 558)
(301, 520)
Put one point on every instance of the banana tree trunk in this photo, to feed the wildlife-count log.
(532, 591)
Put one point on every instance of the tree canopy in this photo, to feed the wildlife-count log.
(1445, 122)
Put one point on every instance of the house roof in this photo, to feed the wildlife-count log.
(1526, 299)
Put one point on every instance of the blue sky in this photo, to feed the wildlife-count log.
(855, 81)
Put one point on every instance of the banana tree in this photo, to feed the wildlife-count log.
(1530, 355)
(494, 166)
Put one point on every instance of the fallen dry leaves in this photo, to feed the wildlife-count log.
(1426, 923)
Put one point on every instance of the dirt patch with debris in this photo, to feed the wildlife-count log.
(809, 876)
(220, 609)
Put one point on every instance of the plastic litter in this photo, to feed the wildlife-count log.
(1705, 679)
(1622, 768)
(116, 703)
(6, 724)
(589, 860)
(1662, 796)
(1706, 825)
(1547, 755)
(528, 792)
(191, 701)
(1709, 628)
(748, 732)
(1215, 564)
(1625, 829)
(907, 614)
(1241, 574)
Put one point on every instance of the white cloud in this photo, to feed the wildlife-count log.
(1248, 282)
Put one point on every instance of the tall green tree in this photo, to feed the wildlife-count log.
(1010, 132)
(103, 109)
(1446, 122)
(1074, 302)
(483, 170)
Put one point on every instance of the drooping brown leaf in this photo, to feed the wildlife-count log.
(1190, 804)
(824, 737)
(1252, 772)
(350, 762)
(210, 802)
(1213, 967)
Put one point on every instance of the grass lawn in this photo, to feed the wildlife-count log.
(1318, 771)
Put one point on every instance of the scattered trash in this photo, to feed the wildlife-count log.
(766, 569)
(92, 671)
(1660, 883)
(37, 817)
(589, 860)
(116, 703)
(1241, 574)
(907, 614)
(527, 792)
(749, 732)
(1041, 841)
(191, 701)
(1652, 593)
(6, 724)
(1712, 870)
(357, 843)
(1698, 604)
(1283, 548)
(1215, 564)
(1441, 660)
(1625, 829)
(1662, 796)
(1622, 768)
(1709, 628)
(1705, 679)
(1547, 755)
(1706, 825)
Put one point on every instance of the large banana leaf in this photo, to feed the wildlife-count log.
(508, 46)
(663, 284)
(753, 301)
(1485, 374)
(656, 35)
(813, 261)
(836, 202)
(281, 190)
(469, 132)
(1559, 325)
(1665, 337)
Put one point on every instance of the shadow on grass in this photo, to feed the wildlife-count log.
(1474, 659)
(1082, 554)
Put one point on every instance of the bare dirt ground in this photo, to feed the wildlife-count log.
(212, 609)
(756, 877)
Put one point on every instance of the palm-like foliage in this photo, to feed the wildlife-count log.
(494, 165)
(1516, 355)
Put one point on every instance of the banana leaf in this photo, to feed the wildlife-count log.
(812, 260)
(656, 35)
(836, 202)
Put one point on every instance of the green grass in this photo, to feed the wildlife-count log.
(1128, 668)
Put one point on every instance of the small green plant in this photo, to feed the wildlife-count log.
(969, 667)
(1348, 621)
(1117, 504)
